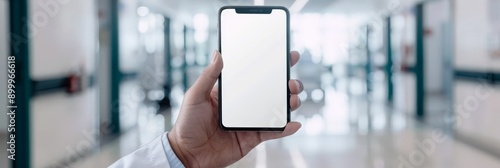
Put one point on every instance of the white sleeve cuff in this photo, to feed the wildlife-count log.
(151, 155)
(173, 160)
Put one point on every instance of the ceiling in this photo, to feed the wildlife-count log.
(186, 9)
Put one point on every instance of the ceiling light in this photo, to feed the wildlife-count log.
(298, 5)
(258, 2)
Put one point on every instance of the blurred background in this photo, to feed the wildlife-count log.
(388, 83)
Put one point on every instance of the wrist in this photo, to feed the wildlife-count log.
(178, 150)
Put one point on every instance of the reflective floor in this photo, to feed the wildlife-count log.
(339, 130)
(342, 127)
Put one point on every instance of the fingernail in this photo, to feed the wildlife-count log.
(299, 84)
(300, 102)
(214, 56)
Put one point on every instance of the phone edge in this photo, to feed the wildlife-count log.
(287, 71)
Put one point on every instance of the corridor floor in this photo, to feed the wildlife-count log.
(339, 131)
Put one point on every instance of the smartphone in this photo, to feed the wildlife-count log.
(253, 85)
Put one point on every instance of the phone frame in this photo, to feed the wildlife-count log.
(253, 10)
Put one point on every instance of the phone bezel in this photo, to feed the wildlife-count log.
(263, 10)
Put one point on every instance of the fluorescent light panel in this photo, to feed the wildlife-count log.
(298, 5)
(258, 2)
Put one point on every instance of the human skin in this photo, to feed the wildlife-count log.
(198, 140)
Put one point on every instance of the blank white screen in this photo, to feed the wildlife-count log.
(254, 77)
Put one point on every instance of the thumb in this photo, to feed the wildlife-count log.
(202, 87)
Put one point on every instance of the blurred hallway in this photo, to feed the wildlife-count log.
(388, 83)
(342, 131)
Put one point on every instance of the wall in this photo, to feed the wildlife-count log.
(130, 55)
(476, 101)
(64, 42)
(477, 107)
(436, 16)
(132, 58)
(63, 37)
(4, 51)
(472, 30)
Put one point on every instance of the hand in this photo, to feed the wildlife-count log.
(196, 137)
